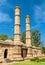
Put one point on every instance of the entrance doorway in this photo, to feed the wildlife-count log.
(24, 52)
(5, 53)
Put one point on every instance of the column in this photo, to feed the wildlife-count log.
(17, 25)
(28, 34)
(17, 48)
(28, 38)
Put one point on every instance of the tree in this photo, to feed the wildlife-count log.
(12, 39)
(43, 50)
(23, 37)
(3, 37)
(36, 36)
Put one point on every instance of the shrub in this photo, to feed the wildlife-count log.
(38, 59)
(42, 59)
(35, 59)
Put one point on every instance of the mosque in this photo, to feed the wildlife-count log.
(16, 50)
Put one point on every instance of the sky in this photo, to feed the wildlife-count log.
(34, 8)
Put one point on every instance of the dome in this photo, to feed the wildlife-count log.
(9, 41)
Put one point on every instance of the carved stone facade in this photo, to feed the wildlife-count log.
(16, 50)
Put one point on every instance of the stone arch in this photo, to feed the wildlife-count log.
(5, 53)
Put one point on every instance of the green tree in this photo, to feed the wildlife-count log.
(36, 36)
(3, 37)
(12, 39)
(23, 37)
(43, 50)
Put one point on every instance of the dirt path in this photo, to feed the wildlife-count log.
(8, 63)
(11, 63)
(3, 64)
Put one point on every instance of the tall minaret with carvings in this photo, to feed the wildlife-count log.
(17, 25)
(28, 34)
(17, 53)
(28, 38)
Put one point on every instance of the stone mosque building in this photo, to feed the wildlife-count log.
(16, 50)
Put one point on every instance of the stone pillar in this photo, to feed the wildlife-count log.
(17, 47)
(28, 34)
(17, 25)
(28, 38)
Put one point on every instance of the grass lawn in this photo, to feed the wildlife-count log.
(29, 63)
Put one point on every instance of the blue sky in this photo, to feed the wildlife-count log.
(34, 8)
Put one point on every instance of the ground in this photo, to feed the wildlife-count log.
(29, 63)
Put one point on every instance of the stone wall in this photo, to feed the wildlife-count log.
(15, 52)
(9, 51)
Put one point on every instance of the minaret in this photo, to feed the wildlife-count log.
(17, 25)
(17, 52)
(28, 34)
(28, 38)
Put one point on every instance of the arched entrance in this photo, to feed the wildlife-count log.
(5, 53)
(23, 52)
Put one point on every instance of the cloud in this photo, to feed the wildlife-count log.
(5, 3)
(35, 26)
(5, 17)
(39, 13)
